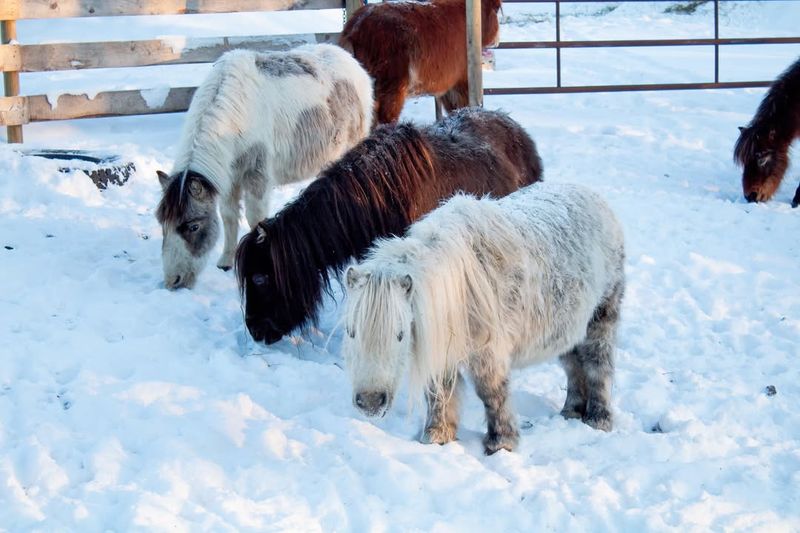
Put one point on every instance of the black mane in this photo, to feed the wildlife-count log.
(364, 195)
(778, 114)
(377, 189)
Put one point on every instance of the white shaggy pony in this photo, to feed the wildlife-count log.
(486, 285)
(258, 120)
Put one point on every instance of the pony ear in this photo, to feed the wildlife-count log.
(354, 278)
(197, 190)
(163, 178)
(741, 129)
(262, 234)
(405, 282)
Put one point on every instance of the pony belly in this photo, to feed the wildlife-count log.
(535, 354)
(546, 346)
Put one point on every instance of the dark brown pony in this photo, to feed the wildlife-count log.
(377, 189)
(415, 48)
(763, 146)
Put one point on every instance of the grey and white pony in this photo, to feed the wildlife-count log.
(487, 285)
(258, 120)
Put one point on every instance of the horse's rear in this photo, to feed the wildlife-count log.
(415, 48)
(488, 149)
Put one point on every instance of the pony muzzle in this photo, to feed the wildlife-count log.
(373, 404)
(263, 330)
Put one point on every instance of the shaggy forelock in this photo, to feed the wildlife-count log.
(746, 146)
(374, 312)
(176, 196)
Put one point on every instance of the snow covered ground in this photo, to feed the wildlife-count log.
(127, 407)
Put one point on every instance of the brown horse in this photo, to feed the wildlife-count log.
(416, 48)
(389, 180)
(763, 146)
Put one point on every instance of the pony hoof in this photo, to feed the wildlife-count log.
(571, 413)
(495, 443)
(438, 435)
(598, 418)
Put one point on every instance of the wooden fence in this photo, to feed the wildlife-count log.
(17, 110)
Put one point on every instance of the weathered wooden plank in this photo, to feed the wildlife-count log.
(78, 56)
(39, 9)
(8, 33)
(10, 58)
(13, 112)
(106, 104)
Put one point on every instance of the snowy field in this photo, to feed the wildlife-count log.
(127, 407)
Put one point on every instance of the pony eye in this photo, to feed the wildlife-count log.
(400, 336)
(259, 279)
(351, 333)
(194, 227)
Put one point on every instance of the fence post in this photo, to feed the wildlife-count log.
(8, 32)
(474, 42)
(351, 6)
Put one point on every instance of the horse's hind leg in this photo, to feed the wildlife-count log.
(575, 404)
(595, 357)
(229, 209)
(443, 402)
(491, 384)
(796, 199)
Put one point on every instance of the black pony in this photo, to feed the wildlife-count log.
(763, 146)
(377, 189)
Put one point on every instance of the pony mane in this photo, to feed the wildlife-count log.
(774, 113)
(372, 191)
(176, 196)
(452, 255)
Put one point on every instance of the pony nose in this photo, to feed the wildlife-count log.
(263, 330)
(752, 197)
(175, 283)
(371, 402)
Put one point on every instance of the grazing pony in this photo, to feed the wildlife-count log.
(377, 189)
(416, 48)
(488, 285)
(763, 146)
(258, 120)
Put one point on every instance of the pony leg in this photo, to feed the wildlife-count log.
(229, 209)
(443, 402)
(491, 384)
(389, 102)
(256, 202)
(796, 199)
(575, 404)
(596, 358)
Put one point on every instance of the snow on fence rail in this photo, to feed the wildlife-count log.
(16, 110)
